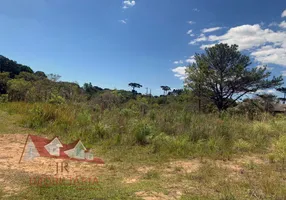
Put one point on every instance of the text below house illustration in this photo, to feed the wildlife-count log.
(37, 146)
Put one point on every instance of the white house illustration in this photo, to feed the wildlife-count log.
(42, 147)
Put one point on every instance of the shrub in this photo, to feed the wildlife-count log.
(3, 98)
(39, 116)
(56, 99)
(142, 132)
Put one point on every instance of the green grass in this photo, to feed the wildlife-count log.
(10, 124)
(128, 140)
(173, 132)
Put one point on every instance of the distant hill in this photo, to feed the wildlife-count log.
(11, 66)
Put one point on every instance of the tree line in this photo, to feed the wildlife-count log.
(220, 76)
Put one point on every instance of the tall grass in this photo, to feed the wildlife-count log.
(166, 130)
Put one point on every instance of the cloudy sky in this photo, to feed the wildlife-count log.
(113, 42)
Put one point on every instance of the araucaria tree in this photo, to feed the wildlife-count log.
(165, 89)
(222, 74)
(134, 85)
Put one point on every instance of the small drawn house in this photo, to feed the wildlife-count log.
(78, 150)
(37, 146)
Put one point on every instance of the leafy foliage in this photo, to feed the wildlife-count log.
(7, 65)
(222, 75)
(282, 90)
(165, 89)
(4, 78)
(134, 85)
(268, 100)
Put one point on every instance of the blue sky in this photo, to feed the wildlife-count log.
(113, 42)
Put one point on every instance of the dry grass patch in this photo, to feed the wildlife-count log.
(155, 196)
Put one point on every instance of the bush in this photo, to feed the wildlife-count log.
(3, 98)
(168, 130)
(39, 116)
(56, 99)
(142, 133)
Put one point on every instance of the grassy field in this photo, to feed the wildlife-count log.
(164, 154)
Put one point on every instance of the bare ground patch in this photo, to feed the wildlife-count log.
(157, 195)
(11, 147)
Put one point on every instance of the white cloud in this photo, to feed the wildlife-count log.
(270, 91)
(206, 46)
(201, 38)
(128, 4)
(208, 30)
(283, 13)
(265, 91)
(196, 10)
(191, 22)
(178, 62)
(266, 46)
(249, 36)
(264, 66)
(191, 59)
(123, 21)
(282, 24)
(246, 36)
(180, 72)
(260, 66)
(189, 32)
(270, 54)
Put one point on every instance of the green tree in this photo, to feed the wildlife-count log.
(251, 107)
(27, 76)
(24, 68)
(282, 90)
(134, 85)
(17, 89)
(165, 89)
(199, 92)
(91, 90)
(40, 91)
(7, 65)
(54, 77)
(177, 92)
(223, 73)
(267, 101)
(41, 74)
(4, 78)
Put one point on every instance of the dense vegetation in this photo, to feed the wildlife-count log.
(203, 120)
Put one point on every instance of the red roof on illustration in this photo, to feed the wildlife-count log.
(40, 143)
(70, 146)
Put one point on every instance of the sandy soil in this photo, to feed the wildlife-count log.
(11, 147)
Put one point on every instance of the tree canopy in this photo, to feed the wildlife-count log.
(223, 74)
(267, 101)
(282, 90)
(134, 85)
(11, 66)
(165, 89)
